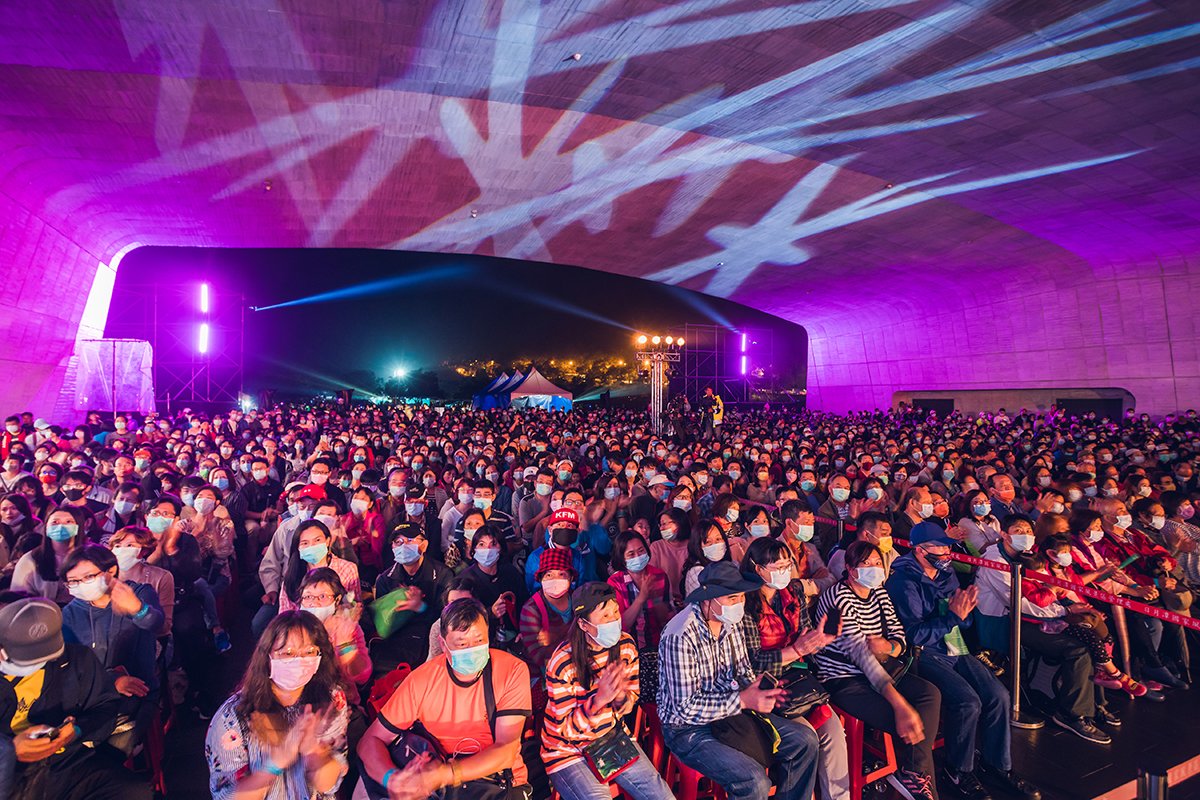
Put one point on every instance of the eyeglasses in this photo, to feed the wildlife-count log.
(167, 514)
(73, 583)
(323, 599)
(291, 652)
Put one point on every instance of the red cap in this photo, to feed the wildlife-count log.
(312, 490)
(564, 516)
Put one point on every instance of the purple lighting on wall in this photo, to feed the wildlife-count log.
(202, 342)
(204, 298)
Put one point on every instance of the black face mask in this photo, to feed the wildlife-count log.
(73, 493)
(564, 537)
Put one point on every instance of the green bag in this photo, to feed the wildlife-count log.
(387, 619)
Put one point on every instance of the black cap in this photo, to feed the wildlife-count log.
(409, 530)
(590, 596)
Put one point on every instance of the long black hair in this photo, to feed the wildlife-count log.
(580, 650)
(296, 567)
(44, 558)
(762, 551)
(257, 694)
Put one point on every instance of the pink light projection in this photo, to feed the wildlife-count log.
(946, 195)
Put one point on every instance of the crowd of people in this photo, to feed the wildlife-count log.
(479, 604)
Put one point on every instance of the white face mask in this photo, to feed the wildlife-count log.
(668, 533)
(359, 506)
(21, 670)
(127, 557)
(759, 530)
(870, 577)
(556, 587)
(1095, 536)
(731, 615)
(926, 510)
(204, 505)
(1063, 559)
(1158, 522)
(714, 552)
(780, 578)
(322, 612)
(1022, 542)
(1124, 521)
(92, 590)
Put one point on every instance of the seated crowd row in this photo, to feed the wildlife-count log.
(515, 589)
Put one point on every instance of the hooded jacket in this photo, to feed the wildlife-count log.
(919, 602)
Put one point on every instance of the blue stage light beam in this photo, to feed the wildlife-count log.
(375, 287)
(558, 304)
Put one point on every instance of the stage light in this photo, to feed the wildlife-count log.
(204, 298)
(656, 340)
(641, 339)
(679, 341)
(399, 372)
(743, 365)
(202, 341)
(670, 340)
(743, 350)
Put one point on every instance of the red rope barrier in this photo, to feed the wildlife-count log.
(1086, 591)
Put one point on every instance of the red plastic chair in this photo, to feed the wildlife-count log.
(857, 746)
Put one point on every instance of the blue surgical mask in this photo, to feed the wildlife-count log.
(808, 486)
(487, 556)
(469, 660)
(222, 484)
(608, 633)
(314, 554)
(407, 553)
(759, 530)
(637, 563)
(62, 533)
(981, 509)
(731, 515)
(159, 524)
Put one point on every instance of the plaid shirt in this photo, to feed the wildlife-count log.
(699, 675)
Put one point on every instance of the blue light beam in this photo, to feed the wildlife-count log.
(374, 287)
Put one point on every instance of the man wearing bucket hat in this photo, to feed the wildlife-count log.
(706, 683)
(60, 705)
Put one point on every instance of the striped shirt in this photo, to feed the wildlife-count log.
(700, 676)
(569, 728)
(849, 655)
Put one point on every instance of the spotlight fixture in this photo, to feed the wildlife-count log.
(670, 340)
(655, 339)
(679, 341)
(641, 339)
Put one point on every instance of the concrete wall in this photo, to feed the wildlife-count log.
(45, 280)
(1131, 327)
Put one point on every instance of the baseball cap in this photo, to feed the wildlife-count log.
(415, 493)
(313, 491)
(530, 472)
(590, 596)
(31, 631)
(929, 533)
(41, 424)
(564, 516)
(659, 480)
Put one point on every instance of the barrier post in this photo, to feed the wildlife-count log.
(1019, 718)
(841, 531)
(1151, 784)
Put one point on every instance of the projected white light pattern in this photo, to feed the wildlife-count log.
(775, 153)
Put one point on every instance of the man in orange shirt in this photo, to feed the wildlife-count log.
(472, 701)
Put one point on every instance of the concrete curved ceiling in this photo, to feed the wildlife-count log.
(979, 194)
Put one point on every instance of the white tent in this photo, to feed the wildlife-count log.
(537, 392)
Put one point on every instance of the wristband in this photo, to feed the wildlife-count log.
(143, 611)
(271, 768)
(386, 777)
(346, 649)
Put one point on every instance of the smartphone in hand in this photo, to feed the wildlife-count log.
(833, 620)
(768, 681)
